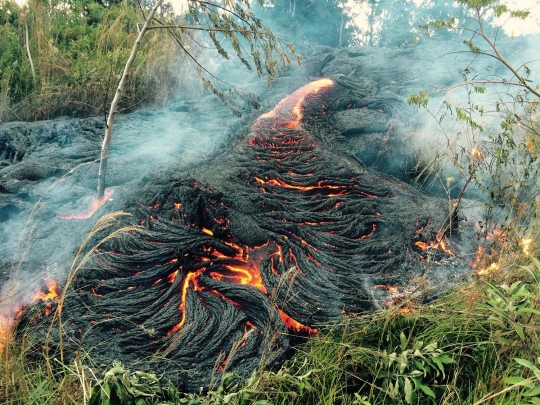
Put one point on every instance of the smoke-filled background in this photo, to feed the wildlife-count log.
(49, 171)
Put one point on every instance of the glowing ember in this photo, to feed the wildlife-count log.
(94, 206)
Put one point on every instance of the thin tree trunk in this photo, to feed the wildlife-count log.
(30, 55)
(114, 105)
(341, 26)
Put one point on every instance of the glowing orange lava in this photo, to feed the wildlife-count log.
(438, 244)
(290, 108)
(294, 325)
(94, 206)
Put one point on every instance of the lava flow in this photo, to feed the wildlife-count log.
(94, 206)
(282, 232)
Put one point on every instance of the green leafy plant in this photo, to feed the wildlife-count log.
(121, 387)
(410, 370)
(532, 383)
(503, 162)
(514, 310)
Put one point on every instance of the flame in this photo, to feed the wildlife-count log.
(477, 155)
(52, 291)
(94, 206)
(491, 269)
(46, 292)
(438, 244)
(477, 258)
(526, 244)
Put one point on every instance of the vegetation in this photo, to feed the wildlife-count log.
(59, 60)
(479, 344)
(495, 147)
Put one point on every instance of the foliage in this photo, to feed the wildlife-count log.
(501, 162)
(119, 387)
(78, 53)
(460, 349)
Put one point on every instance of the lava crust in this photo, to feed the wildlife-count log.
(281, 232)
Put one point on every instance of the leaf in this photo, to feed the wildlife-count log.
(526, 363)
(519, 330)
(403, 341)
(408, 390)
(428, 391)
(516, 381)
(532, 392)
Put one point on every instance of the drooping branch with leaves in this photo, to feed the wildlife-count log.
(224, 21)
(503, 163)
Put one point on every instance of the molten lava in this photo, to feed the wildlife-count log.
(94, 206)
(290, 108)
(277, 236)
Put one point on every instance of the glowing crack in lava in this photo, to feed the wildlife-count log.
(94, 206)
(280, 233)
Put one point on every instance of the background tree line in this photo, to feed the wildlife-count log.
(64, 58)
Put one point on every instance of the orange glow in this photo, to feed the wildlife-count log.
(290, 108)
(476, 154)
(319, 186)
(526, 245)
(488, 270)
(171, 277)
(49, 294)
(177, 205)
(190, 278)
(94, 206)
(295, 326)
(477, 258)
(438, 244)
(207, 231)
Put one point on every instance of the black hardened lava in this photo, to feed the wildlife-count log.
(282, 231)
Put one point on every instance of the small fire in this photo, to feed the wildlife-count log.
(526, 244)
(51, 291)
(477, 258)
(477, 155)
(47, 292)
(94, 206)
(438, 244)
(491, 269)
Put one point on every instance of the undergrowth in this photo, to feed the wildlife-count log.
(57, 60)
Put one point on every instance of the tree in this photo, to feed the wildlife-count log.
(503, 163)
(229, 20)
